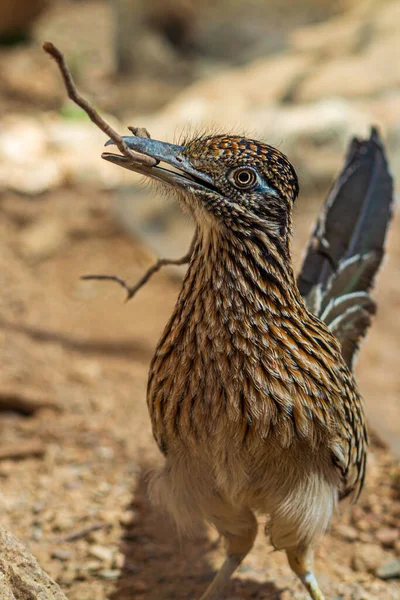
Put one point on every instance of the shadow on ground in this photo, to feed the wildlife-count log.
(159, 565)
(135, 350)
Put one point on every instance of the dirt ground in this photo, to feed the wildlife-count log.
(74, 363)
(75, 438)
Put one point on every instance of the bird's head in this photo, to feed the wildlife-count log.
(234, 180)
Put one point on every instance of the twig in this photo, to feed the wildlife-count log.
(137, 158)
(77, 534)
(93, 115)
(131, 290)
(23, 450)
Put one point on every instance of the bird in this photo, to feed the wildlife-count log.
(251, 391)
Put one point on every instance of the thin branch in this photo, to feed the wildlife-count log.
(74, 95)
(161, 262)
(78, 534)
(137, 158)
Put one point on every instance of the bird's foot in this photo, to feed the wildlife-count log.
(312, 586)
(301, 562)
(218, 584)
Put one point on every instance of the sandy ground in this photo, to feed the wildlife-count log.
(74, 362)
(75, 438)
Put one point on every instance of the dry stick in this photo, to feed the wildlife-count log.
(161, 262)
(82, 533)
(93, 115)
(135, 157)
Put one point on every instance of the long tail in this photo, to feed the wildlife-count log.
(347, 245)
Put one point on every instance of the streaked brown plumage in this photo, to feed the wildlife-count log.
(250, 398)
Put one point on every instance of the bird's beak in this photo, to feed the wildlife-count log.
(186, 175)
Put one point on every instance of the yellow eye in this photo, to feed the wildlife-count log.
(244, 177)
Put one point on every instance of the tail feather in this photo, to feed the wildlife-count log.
(338, 306)
(349, 328)
(355, 274)
(347, 246)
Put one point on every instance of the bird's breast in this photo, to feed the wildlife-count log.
(240, 357)
(220, 374)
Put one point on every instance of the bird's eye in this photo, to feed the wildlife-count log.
(243, 177)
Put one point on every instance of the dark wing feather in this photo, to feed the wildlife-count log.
(347, 245)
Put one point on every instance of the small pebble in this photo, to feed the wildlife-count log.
(347, 532)
(102, 553)
(387, 536)
(109, 573)
(368, 557)
(61, 554)
(119, 560)
(90, 565)
(363, 525)
(127, 517)
(389, 570)
(365, 537)
(37, 534)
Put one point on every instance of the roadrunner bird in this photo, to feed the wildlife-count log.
(251, 395)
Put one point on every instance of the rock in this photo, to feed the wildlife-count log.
(387, 536)
(102, 553)
(21, 139)
(21, 577)
(31, 179)
(119, 560)
(78, 145)
(127, 517)
(367, 538)
(109, 574)
(323, 37)
(368, 557)
(363, 525)
(39, 154)
(61, 554)
(354, 75)
(24, 165)
(389, 570)
(347, 532)
(256, 85)
(361, 65)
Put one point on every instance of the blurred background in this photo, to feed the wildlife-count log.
(303, 75)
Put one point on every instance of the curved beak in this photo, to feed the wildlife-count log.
(185, 176)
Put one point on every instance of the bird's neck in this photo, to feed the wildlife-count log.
(226, 331)
(250, 271)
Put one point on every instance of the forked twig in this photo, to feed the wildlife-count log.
(92, 113)
(161, 262)
(135, 157)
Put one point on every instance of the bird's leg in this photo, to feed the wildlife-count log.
(239, 535)
(301, 562)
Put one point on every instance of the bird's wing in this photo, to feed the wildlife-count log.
(347, 245)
